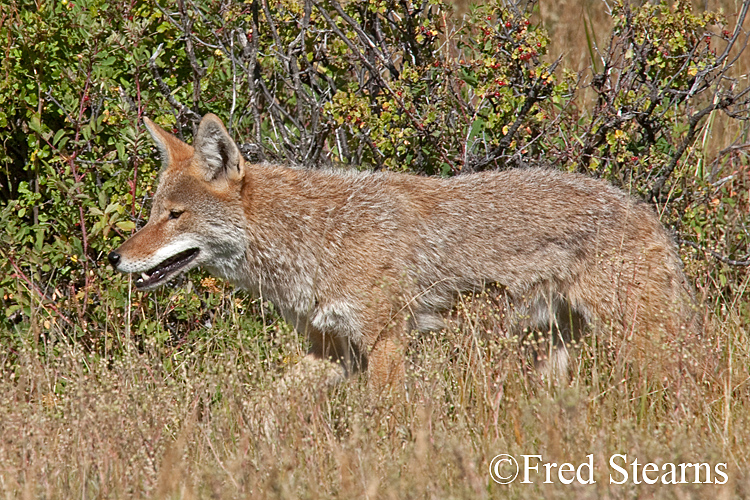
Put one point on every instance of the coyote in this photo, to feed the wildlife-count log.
(355, 260)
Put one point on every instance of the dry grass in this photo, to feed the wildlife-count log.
(211, 420)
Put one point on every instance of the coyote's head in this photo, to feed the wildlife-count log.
(197, 217)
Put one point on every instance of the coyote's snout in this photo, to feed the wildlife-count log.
(355, 260)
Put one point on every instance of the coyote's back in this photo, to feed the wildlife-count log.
(356, 260)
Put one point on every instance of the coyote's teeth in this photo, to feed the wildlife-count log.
(144, 276)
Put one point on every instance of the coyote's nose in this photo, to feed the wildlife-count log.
(114, 258)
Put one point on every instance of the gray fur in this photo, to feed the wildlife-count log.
(356, 260)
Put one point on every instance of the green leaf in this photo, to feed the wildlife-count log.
(58, 135)
(121, 155)
(126, 225)
(35, 124)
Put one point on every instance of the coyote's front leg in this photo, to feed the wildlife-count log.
(385, 344)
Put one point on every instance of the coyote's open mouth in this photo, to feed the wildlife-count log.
(168, 269)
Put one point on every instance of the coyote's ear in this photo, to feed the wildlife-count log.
(217, 151)
(171, 149)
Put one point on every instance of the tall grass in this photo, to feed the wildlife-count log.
(213, 419)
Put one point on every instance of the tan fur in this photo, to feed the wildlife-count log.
(354, 260)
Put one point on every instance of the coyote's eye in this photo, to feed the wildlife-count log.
(175, 214)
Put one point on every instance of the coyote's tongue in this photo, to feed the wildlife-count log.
(168, 269)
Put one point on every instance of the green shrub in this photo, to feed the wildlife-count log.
(386, 85)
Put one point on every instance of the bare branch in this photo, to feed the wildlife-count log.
(686, 142)
(533, 96)
(164, 89)
(716, 255)
(386, 61)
